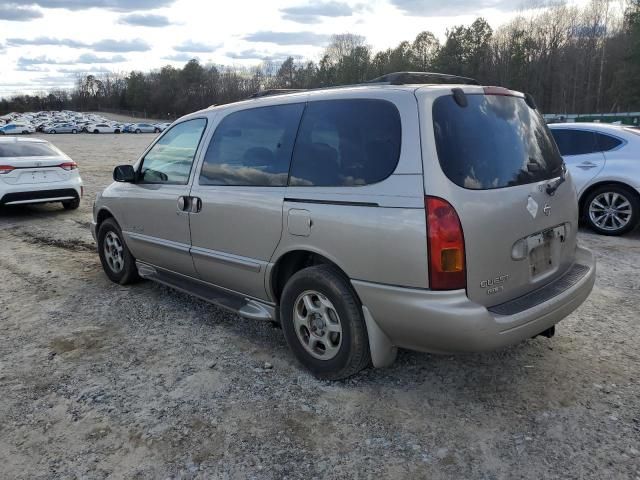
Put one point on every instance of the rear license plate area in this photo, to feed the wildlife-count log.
(541, 257)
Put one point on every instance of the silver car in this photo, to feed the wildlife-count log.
(401, 213)
(603, 160)
(63, 128)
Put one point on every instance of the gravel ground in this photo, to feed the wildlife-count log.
(103, 381)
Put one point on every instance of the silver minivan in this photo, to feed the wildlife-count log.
(418, 211)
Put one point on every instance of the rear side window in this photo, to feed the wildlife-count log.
(607, 142)
(495, 141)
(24, 149)
(346, 142)
(253, 147)
(575, 142)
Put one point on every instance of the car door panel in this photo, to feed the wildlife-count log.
(156, 224)
(241, 186)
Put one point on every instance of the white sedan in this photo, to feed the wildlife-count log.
(142, 128)
(604, 161)
(103, 128)
(34, 171)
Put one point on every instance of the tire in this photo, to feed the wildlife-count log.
(71, 204)
(74, 131)
(116, 131)
(138, 130)
(2, 133)
(346, 351)
(128, 273)
(157, 130)
(52, 131)
(623, 205)
(96, 131)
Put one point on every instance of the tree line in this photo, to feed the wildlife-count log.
(571, 59)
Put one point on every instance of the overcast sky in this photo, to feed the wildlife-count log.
(47, 43)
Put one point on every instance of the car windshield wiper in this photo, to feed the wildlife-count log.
(553, 186)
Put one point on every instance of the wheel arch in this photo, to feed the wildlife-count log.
(291, 262)
(103, 214)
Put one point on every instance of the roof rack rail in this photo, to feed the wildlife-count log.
(404, 78)
(275, 91)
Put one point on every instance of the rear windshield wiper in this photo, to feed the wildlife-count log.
(553, 186)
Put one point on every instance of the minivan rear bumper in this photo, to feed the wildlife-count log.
(448, 322)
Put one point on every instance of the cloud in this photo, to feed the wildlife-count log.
(436, 8)
(179, 57)
(136, 45)
(41, 60)
(15, 13)
(253, 54)
(91, 58)
(313, 13)
(190, 46)
(144, 20)
(64, 42)
(83, 71)
(288, 38)
(115, 5)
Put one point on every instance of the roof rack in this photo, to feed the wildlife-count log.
(275, 91)
(404, 78)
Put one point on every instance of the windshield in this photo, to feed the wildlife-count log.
(495, 141)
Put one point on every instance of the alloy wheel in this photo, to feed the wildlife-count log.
(113, 252)
(317, 325)
(610, 211)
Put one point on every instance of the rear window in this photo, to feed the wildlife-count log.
(346, 142)
(27, 149)
(495, 141)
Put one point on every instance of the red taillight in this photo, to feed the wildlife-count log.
(445, 242)
(6, 169)
(68, 166)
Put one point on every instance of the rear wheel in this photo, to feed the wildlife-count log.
(138, 130)
(157, 130)
(52, 131)
(71, 204)
(74, 131)
(96, 131)
(612, 210)
(116, 259)
(323, 323)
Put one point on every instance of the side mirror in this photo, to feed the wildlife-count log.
(124, 173)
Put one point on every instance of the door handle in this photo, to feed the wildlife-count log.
(587, 164)
(196, 204)
(183, 204)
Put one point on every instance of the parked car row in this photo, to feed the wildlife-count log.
(71, 122)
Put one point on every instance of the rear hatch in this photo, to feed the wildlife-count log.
(491, 156)
(28, 162)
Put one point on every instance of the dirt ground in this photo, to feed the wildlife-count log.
(103, 381)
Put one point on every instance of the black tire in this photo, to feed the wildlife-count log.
(74, 131)
(353, 353)
(71, 204)
(157, 130)
(52, 131)
(129, 272)
(116, 131)
(2, 133)
(609, 227)
(96, 131)
(138, 130)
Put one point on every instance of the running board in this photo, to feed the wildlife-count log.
(245, 307)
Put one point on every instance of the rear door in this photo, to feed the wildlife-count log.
(491, 157)
(241, 188)
(581, 152)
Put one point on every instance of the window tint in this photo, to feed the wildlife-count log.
(252, 147)
(346, 142)
(170, 159)
(607, 142)
(27, 149)
(575, 142)
(495, 141)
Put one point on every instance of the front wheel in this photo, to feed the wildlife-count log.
(52, 131)
(138, 130)
(116, 259)
(323, 323)
(74, 131)
(612, 210)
